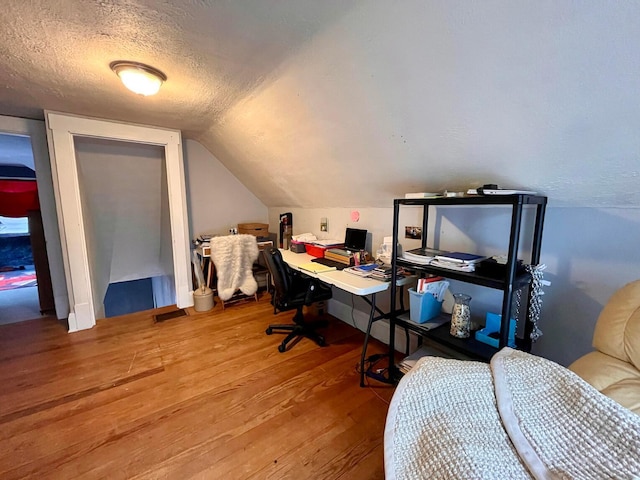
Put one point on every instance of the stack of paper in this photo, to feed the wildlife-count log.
(304, 238)
(460, 257)
(328, 242)
(315, 267)
(409, 362)
(436, 286)
(463, 262)
(422, 195)
(421, 256)
(461, 267)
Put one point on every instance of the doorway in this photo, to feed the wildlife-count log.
(18, 281)
(79, 245)
(25, 282)
(125, 206)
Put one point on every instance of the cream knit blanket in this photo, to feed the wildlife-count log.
(520, 417)
(233, 257)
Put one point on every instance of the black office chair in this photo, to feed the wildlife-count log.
(292, 290)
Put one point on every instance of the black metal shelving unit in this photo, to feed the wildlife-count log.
(506, 280)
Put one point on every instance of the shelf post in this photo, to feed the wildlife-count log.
(394, 278)
(512, 260)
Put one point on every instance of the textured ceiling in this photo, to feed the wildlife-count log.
(56, 55)
(380, 98)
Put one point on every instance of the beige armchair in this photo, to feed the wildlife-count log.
(614, 368)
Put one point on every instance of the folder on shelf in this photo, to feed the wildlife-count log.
(460, 257)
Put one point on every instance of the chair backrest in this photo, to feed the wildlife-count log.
(279, 272)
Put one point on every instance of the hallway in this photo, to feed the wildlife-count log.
(19, 304)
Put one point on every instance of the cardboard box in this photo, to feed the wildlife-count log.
(257, 229)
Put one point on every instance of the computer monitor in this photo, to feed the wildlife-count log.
(355, 239)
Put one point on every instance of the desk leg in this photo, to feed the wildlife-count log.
(372, 320)
(366, 338)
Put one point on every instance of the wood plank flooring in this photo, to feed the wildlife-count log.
(203, 396)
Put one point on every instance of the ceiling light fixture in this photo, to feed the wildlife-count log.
(138, 77)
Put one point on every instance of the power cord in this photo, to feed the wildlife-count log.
(369, 367)
(371, 372)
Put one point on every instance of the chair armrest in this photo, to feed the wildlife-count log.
(311, 291)
(317, 291)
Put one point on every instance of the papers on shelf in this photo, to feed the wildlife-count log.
(436, 286)
(460, 257)
(499, 191)
(328, 242)
(409, 362)
(421, 256)
(460, 261)
(422, 195)
(461, 267)
(304, 238)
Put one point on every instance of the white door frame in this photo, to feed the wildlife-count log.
(35, 130)
(61, 130)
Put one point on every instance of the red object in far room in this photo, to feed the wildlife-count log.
(17, 197)
(17, 278)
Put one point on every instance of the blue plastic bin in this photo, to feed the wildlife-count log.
(423, 306)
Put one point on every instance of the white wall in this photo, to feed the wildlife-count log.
(589, 253)
(419, 95)
(126, 211)
(216, 200)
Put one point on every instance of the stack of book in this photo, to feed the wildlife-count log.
(361, 270)
(383, 272)
(339, 255)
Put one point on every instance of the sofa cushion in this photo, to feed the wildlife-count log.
(614, 378)
(617, 331)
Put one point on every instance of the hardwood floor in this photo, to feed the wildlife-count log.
(203, 396)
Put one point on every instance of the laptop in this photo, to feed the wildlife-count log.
(355, 240)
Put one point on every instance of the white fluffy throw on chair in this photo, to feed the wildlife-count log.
(233, 257)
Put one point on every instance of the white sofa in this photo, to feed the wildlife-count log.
(522, 416)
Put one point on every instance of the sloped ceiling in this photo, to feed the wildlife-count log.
(352, 103)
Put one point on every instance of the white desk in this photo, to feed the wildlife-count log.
(355, 285)
(345, 281)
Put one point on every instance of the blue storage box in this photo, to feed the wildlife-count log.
(423, 306)
(493, 325)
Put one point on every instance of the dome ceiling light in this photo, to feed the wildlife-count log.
(138, 77)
